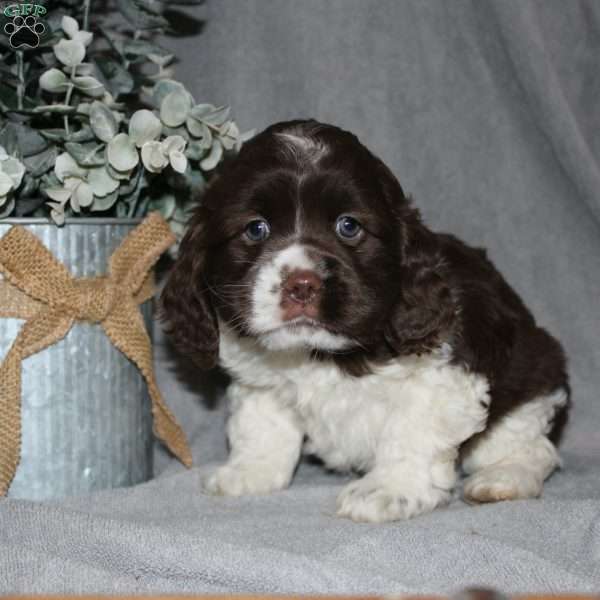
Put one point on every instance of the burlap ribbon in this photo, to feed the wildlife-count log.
(38, 288)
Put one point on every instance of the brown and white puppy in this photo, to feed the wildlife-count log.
(353, 332)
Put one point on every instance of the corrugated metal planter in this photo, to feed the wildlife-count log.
(86, 417)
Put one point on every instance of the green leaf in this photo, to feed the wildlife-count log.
(217, 116)
(55, 135)
(60, 194)
(143, 48)
(173, 143)
(8, 138)
(69, 26)
(126, 187)
(197, 128)
(195, 150)
(7, 208)
(117, 78)
(66, 166)
(82, 196)
(8, 74)
(139, 18)
(89, 85)
(38, 164)
(119, 175)
(86, 155)
(122, 153)
(54, 81)
(144, 126)
(84, 69)
(161, 60)
(213, 158)
(101, 182)
(102, 121)
(57, 213)
(70, 52)
(163, 88)
(178, 161)
(153, 157)
(229, 135)
(165, 205)
(84, 134)
(85, 37)
(6, 184)
(20, 139)
(30, 186)
(28, 206)
(14, 168)
(121, 210)
(175, 107)
(202, 110)
(156, 7)
(105, 203)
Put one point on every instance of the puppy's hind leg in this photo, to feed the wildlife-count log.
(511, 460)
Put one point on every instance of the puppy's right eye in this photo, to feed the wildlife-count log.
(257, 230)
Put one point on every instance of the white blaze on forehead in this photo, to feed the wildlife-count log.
(294, 257)
(303, 148)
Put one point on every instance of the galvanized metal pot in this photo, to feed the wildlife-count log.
(86, 418)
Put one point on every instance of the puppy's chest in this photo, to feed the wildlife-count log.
(343, 417)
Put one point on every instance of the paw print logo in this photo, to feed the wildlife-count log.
(24, 32)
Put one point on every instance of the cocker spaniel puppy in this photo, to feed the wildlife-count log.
(354, 333)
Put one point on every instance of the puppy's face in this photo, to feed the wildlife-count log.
(298, 244)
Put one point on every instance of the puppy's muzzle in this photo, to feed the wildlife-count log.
(301, 292)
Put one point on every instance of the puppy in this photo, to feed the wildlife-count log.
(353, 332)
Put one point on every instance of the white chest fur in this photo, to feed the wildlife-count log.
(345, 418)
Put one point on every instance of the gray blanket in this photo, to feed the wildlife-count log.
(489, 112)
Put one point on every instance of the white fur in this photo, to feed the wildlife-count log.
(303, 148)
(299, 335)
(266, 296)
(512, 459)
(402, 425)
(266, 320)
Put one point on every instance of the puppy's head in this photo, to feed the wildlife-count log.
(306, 240)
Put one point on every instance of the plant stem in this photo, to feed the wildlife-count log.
(21, 84)
(136, 193)
(68, 99)
(86, 14)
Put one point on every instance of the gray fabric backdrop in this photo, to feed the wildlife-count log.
(489, 113)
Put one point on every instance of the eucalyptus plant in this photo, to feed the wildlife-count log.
(103, 129)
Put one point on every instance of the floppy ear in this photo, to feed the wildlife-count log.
(186, 305)
(425, 308)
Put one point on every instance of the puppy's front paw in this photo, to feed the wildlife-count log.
(246, 479)
(373, 500)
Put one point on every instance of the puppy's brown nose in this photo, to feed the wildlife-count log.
(302, 287)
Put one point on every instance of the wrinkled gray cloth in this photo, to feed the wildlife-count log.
(489, 113)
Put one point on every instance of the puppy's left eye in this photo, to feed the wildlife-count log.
(348, 228)
(257, 230)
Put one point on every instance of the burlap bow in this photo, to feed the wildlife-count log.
(41, 290)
